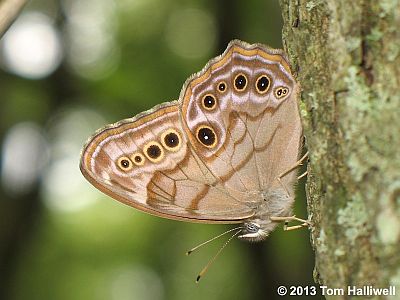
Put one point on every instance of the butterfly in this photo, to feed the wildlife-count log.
(225, 152)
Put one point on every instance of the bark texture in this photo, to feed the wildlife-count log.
(346, 56)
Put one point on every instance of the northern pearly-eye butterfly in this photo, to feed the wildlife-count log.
(225, 152)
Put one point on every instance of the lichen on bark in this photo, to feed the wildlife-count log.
(346, 56)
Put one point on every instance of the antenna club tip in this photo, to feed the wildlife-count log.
(189, 252)
(198, 279)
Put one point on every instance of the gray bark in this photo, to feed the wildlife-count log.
(346, 56)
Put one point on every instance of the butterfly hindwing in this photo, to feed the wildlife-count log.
(147, 162)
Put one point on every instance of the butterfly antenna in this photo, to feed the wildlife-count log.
(205, 269)
(212, 239)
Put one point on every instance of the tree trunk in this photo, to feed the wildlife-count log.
(346, 56)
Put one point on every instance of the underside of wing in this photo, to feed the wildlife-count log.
(246, 102)
(147, 162)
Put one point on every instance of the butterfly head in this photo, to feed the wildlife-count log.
(253, 232)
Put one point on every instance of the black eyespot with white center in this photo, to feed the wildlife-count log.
(206, 136)
(209, 102)
(281, 92)
(124, 163)
(222, 87)
(154, 152)
(171, 140)
(240, 82)
(262, 84)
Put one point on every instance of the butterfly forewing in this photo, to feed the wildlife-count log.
(256, 128)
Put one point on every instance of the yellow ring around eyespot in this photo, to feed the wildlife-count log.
(245, 86)
(283, 88)
(213, 131)
(269, 84)
(209, 108)
(165, 133)
(226, 87)
(137, 154)
(153, 143)
(121, 167)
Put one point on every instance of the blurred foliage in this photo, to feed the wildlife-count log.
(62, 239)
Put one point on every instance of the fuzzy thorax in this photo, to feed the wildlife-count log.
(276, 203)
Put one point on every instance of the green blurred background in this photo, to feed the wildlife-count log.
(69, 67)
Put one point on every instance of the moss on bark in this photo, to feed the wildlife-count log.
(346, 56)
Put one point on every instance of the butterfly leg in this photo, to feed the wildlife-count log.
(304, 223)
(296, 164)
(302, 175)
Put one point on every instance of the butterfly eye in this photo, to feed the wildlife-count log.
(222, 86)
(209, 102)
(240, 82)
(206, 136)
(154, 152)
(171, 140)
(138, 159)
(252, 227)
(124, 163)
(281, 92)
(262, 84)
